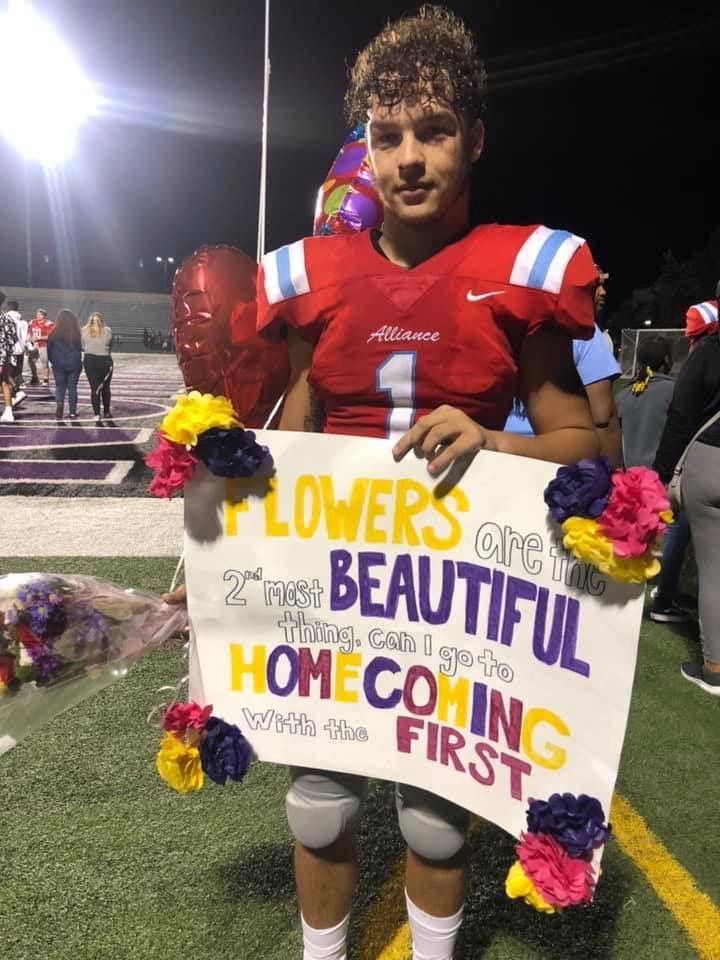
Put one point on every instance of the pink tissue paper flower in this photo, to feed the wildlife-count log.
(183, 716)
(561, 880)
(632, 518)
(172, 464)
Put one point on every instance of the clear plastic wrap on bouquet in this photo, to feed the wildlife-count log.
(63, 638)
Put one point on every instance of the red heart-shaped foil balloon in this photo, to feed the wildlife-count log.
(218, 348)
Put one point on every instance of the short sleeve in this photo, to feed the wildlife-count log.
(284, 297)
(593, 359)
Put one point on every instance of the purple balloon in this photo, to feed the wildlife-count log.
(358, 211)
(349, 160)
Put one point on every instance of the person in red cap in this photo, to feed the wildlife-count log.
(701, 319)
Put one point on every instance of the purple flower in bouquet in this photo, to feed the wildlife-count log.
(577, 823)
(90, 630)
(579, 490)
(231, 453)
(45, 664)
(224, 751)
(46, 619)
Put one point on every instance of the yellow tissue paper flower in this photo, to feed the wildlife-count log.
(518, 884)
(179, 765)
(584, 540)
(667, 516)
(193, 414)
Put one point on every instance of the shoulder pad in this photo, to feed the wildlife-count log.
(543, 258)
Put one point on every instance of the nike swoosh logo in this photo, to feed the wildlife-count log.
(474, 297)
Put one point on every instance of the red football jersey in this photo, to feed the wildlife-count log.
(393, 344)
(40, 330)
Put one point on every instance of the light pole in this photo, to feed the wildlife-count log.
(41, 113)
(165, 261)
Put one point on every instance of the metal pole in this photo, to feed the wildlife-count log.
(28, 226)
(263, 154)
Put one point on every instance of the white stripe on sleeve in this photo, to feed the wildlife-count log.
(527, 255)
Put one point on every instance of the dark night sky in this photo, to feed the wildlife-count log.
(601, 120)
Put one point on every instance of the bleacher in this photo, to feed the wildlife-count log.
(129, 314)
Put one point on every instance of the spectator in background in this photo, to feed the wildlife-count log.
(600, 300)
(643, 408)
(39, 330)
(21, 326)
(8, 338)
(64, 351)
(97, 342)
(700, 320)
(695, 402)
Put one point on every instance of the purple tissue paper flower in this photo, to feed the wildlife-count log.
(579, 490)
(231, 453)
(576, 823)
(224, 751)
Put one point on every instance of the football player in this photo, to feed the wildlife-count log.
(424, 331)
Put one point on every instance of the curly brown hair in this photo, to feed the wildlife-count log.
(431, 50)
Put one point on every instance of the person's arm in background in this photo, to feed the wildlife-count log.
(684, 415)
(605, 419)
(598, 369)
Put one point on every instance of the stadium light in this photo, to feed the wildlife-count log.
(648, 323)
(41, 110)
(165, 261)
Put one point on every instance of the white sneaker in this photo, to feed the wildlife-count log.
(19, 397)
(7, 416)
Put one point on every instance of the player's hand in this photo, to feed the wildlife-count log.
(177, 596)
(442, 437)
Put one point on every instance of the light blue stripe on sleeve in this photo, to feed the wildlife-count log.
(545, 257)
(282, 259)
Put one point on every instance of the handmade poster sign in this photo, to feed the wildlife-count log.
(352, 614)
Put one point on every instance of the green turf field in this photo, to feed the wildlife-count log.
(99, 860)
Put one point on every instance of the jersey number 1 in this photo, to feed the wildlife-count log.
(396, 378)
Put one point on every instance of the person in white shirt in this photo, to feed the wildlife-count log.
(21, 326)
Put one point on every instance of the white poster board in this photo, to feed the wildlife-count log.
(350, 614)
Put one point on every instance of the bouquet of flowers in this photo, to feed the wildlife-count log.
(554, 866)
(201, 427)
(63, 638)
(611, 519)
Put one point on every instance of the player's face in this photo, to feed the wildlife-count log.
(421, 154)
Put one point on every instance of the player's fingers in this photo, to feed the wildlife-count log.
(466, 443)
(416, 434)
(438, 436)
(413, 438)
